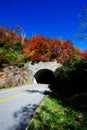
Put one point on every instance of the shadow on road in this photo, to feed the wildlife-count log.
(40, 92)
(23, 116)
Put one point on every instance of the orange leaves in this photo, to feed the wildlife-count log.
(26, 52)
(42, 49)
(32, 53)
(39, 43)
(37, 49)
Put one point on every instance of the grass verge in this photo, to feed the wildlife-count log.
(52, 115)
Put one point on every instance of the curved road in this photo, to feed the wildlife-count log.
(17, 105)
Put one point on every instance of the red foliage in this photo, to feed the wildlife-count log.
(42, 49)
(37, 48)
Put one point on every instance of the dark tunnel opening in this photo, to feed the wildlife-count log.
(45, 76)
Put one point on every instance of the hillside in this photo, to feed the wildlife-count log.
(18, 48)
(12, 69)
(15, 50)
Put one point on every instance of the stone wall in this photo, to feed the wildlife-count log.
(13, 76)
(33, 68)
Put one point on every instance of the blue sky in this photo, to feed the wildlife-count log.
(50, 18)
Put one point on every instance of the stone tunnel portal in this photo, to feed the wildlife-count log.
(44, 76)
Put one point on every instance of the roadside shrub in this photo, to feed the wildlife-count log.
(20, 64)
(18, 47)
(9, 57)
(62, 72)
(81, 70)
(8, 45)
(3, 61)
(12, 56)
(72, 76)
(71, 62)
(62, 75)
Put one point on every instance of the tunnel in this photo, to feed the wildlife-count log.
(44, 76)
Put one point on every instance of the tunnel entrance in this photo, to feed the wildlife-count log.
(45, 76)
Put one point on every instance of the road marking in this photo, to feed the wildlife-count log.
(11, 97)
(16, 95)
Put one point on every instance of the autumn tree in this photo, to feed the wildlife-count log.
(43, 49)
(7, 34)
(37, 48)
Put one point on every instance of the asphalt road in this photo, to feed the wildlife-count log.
(17, 105)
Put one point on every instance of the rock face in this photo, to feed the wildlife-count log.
(13, 76)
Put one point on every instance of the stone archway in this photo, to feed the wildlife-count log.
(34, 68)
(44, 76)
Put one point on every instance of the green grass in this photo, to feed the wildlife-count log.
(53, 115)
